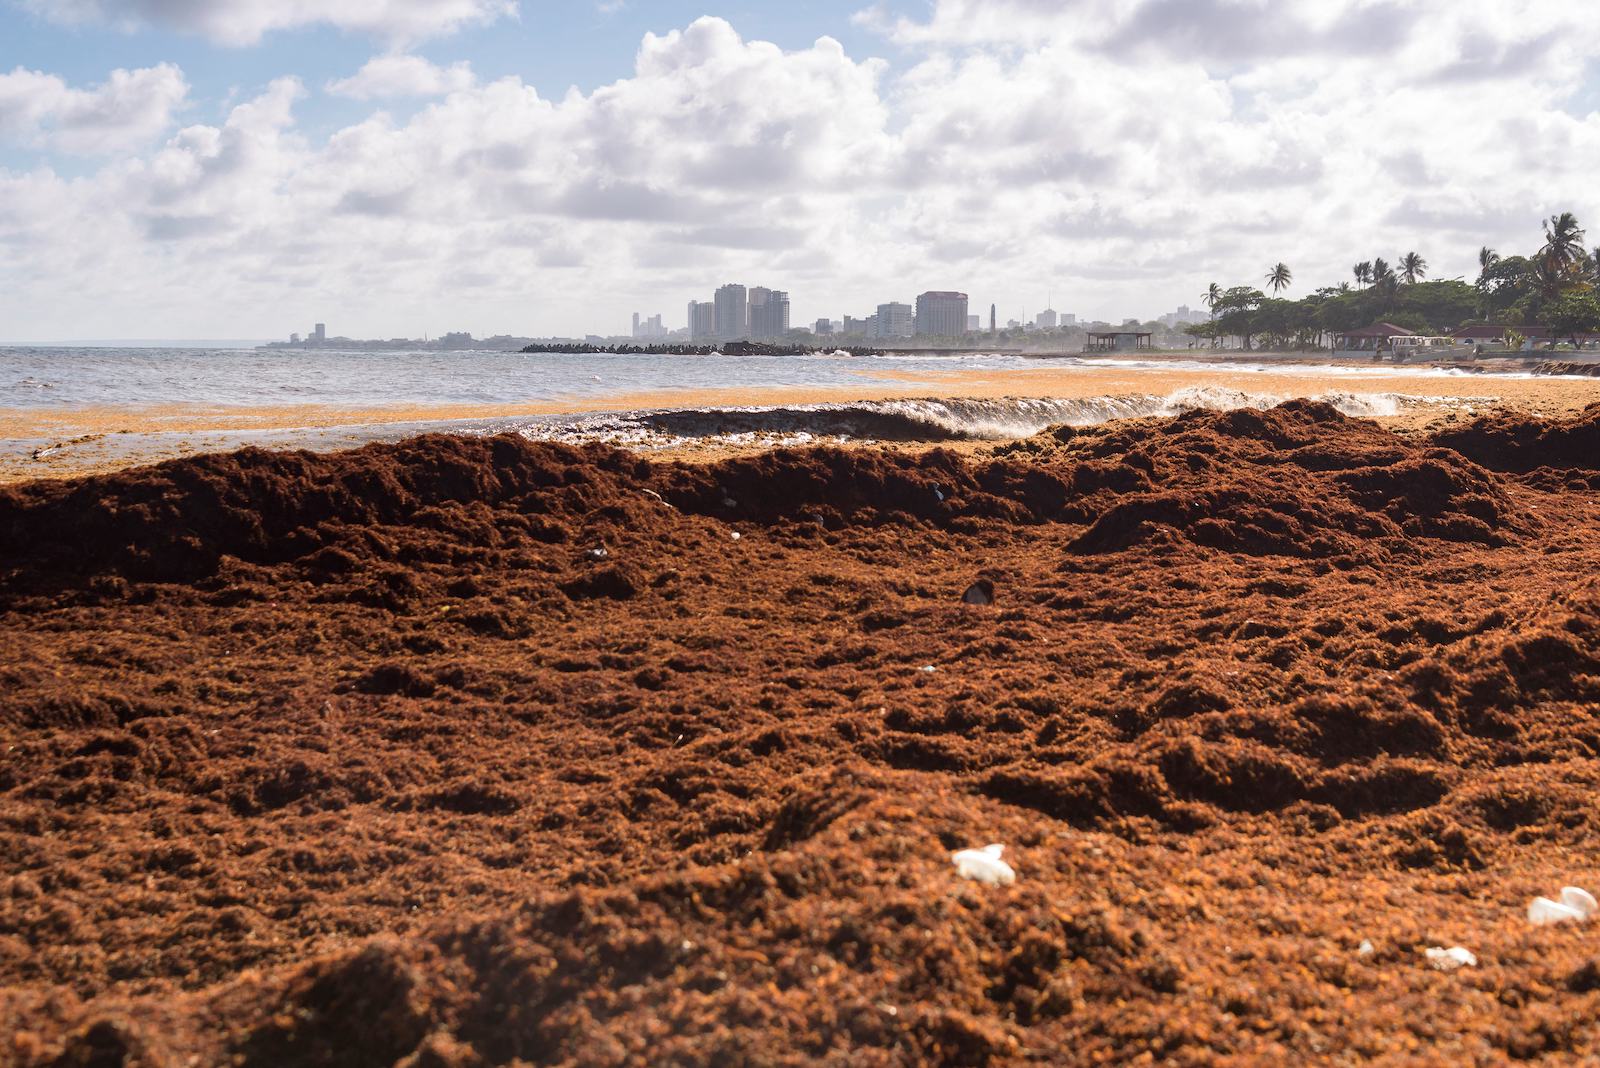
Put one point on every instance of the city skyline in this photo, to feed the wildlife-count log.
(218, 169)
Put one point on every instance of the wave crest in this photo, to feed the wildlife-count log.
(919, 419)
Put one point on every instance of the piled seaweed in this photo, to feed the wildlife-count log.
(478, 751)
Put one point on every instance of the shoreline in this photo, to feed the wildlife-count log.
(70, 442)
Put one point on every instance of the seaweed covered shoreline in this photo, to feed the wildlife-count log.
(481, 751)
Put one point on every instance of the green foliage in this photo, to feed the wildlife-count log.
(1554, 286)
(1573, 313)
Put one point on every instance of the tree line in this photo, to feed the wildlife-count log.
(1556, 287)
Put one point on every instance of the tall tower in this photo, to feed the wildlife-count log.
(732, 312)
(992, 322)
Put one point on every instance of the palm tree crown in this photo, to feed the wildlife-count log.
(1280, 277)
(1363, 272)
(1381, 269)
(1413, 268)
(1563, 240)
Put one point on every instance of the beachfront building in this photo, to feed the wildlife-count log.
(1374, 338)
(702, 320)
(867, 327)
(769, 313)
(1120, 341)
(895, 320)
(731, 313)
(941, 314)
(1047, 319)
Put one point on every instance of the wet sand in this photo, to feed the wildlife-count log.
(377, 758)
(85, 440)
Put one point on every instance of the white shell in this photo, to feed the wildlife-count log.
(1448, 960)
(984, 866)
(1542, 912)
(1576, 897)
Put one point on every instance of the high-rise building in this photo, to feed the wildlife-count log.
(731, 317)
(702, 320)
(894, 320)
(993, 325)
(635, 325)
(941, 314)
(769, 313)
(1048, 319)
(974, 323)
(823, 326)
(320, 334)
(867, 327)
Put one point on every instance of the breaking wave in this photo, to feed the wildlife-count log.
(918, 419)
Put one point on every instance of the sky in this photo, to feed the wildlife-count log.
(245, 168)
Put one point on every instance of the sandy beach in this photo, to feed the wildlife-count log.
(84, 440)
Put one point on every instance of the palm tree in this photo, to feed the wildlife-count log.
(1413, 268)
(1563, 241)
(1363, 272)
(1381, 270)
(1549, 277)
(1213, 294)
(1487, 258)
(1280, 278)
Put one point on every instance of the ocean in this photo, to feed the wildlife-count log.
(573, 392)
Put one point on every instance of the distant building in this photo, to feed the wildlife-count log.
(769, 313)
(320, 334)
(823, 326)
(731, 314)
(1069, 320)
(895, 320)
(974, 323)
(702, 320)
(941, 314)
(867, 327)
(635, 324)
(993, 326)
(1048, 319)
(294, 339)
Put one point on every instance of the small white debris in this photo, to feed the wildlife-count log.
(984, 866)
(928, 668)
(597, 554)
(656, 496)
(1448, 960)
(735, 535)
(1366, 950)
(1576, 897)
(1576, 906)
(729, 502)
(1542, 912)
(939, 493)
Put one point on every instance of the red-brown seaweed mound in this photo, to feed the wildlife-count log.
(481, 752)
(1564, 450)
(1298, 480)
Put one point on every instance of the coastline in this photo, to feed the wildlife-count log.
(88, 440)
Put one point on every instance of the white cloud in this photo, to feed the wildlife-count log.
(1026, 150)
(128, 110)
(244, 22)
(401, 75)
